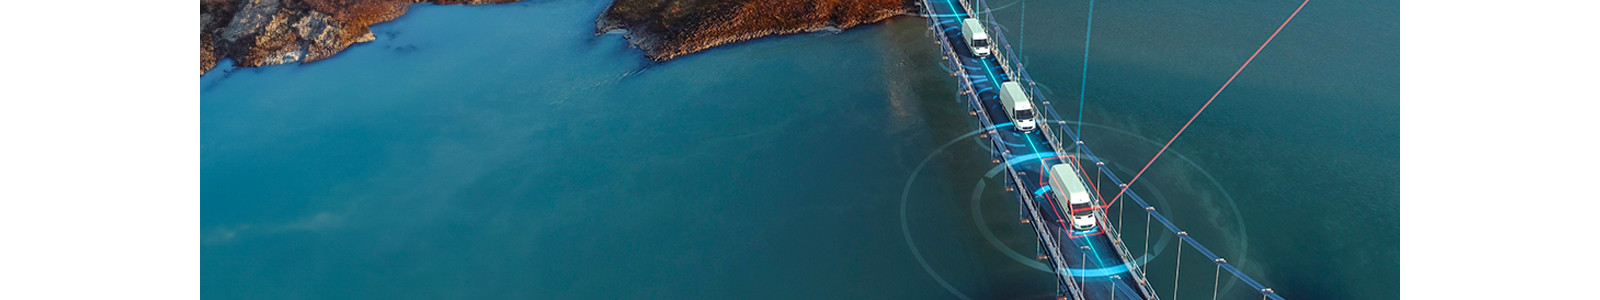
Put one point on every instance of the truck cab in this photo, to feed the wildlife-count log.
(977, 39)
(1018, 106)
(1068, 187)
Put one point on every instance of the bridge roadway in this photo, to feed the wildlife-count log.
(1089, 264)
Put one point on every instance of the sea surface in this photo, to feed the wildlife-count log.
(506, 152)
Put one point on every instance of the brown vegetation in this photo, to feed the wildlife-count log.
(666, 29)
(267, 32)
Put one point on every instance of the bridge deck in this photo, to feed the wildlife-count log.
(1096, 269)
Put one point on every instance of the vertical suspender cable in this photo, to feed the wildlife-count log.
(1119, 207)
(1214, 280)
(1114, 279)
(1177, 266)
(1146, 252)
(1099, 172)
(1083, 264)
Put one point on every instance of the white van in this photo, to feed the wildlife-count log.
(1018, 106)
(1066, 184)
(977, 39)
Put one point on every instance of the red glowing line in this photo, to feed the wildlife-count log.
(1208, 103)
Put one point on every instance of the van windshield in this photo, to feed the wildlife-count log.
(1024, 114)
(980, 43)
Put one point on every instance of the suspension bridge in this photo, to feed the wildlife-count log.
(1091, 263)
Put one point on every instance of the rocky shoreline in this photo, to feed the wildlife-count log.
(268, 32)
(666, 29)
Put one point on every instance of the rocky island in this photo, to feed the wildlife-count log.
(268, 32)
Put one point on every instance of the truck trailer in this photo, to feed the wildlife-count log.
(1018, 106)
(977, 39)
(1068, 187)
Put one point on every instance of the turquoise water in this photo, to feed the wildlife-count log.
(505, 152)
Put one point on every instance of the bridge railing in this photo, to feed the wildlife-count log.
(1014, 68)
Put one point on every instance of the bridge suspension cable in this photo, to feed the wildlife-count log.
(1177, 266)
(1114, 278)
(1119, 206)
(1214, 279)
(1146, 253)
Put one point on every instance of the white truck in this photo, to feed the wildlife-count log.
(1018, 106)
(1066, 184)
(977, 39)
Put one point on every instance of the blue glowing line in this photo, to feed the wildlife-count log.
(1094, 252)
(1100, 272)
(953, 8)
(1085, 82)
(1024, 158)
(1023, 25)
(985, 63)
